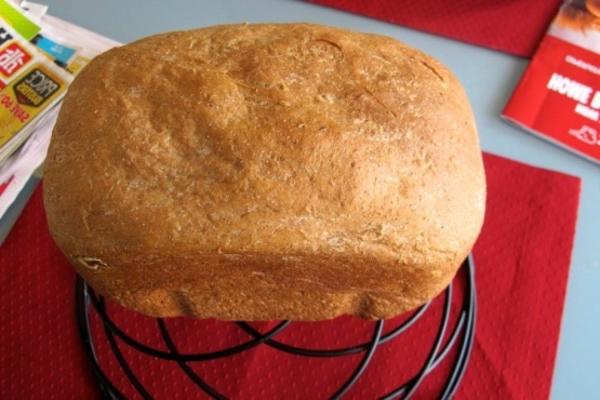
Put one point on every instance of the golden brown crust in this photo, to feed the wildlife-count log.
(266, 172)
(579, 16)
(593, 6)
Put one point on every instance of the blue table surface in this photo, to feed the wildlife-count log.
(489, 78)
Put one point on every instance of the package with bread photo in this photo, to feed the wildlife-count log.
(558, 97)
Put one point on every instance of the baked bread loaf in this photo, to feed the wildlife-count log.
(593, 6)
(580, 16)
(258, 172)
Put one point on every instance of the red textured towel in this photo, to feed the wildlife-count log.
(514, 27)
(522, 260)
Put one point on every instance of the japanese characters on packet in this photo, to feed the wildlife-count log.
(558, 97)
(29, 85)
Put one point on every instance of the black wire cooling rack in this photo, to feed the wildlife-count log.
(461, 336)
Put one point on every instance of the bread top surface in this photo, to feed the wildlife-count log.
(288, 139)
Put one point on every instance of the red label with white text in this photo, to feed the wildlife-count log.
(558, 97)
(12, 58)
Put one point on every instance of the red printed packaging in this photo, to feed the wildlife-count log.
(558, 97)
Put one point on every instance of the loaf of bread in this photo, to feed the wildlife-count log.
(258, 172)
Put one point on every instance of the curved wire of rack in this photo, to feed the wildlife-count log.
(462, 336)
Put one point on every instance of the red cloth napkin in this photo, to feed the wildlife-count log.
(522, 260)
(515, 27)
